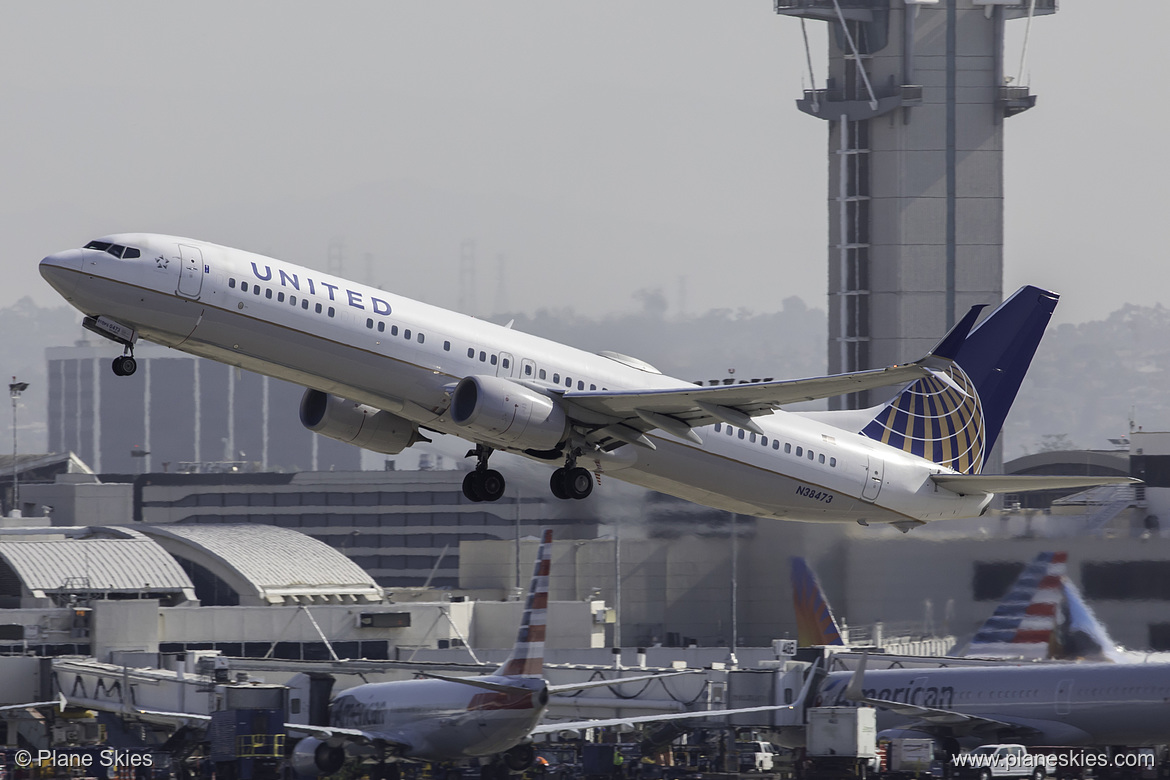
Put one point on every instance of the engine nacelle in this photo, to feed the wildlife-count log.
(357, 424)
(312, 757)
(507, 412)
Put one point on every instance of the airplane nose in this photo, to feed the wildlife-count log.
(61, 270)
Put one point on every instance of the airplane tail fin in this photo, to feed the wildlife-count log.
(527, 658)
(1083, 636)
(954, 416)
(815, 624)
(1025, 622)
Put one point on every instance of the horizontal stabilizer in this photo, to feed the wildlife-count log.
(969, 484)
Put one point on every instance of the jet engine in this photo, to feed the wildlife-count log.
(312, 757)
(519, 757)
(509, 413)
(358, 424)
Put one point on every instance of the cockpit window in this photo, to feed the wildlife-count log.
(117, 250)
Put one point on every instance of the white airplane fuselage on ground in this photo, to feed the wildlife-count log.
(405, 357)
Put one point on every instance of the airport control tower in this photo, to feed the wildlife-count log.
(915, 96)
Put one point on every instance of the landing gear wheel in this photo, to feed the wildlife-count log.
(491, 484)
(483, 485)
(556, 483)
(125, 365)
(471, 489)
(578, 483)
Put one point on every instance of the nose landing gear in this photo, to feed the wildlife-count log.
(125, 365)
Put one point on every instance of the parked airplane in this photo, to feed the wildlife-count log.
(1036, 704)
(381, 369)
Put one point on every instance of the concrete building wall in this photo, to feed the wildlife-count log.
(178, 409)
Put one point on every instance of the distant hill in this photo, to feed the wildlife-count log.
(1085, 382)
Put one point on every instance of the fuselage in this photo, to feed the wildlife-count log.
(404, 356)
(438, 720)
(1051, 704)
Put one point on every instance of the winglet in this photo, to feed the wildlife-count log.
(853, 691)
(527, 658)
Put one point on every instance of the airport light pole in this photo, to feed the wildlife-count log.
(15, 389)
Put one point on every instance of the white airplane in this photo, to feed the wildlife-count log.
(444, 718)
(1035, 704)
(380, 369)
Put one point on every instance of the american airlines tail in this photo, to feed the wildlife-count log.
(815, 624)
(527, 658)
(1027, 622)
(954, 416)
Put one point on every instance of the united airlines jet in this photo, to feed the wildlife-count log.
(383, 371)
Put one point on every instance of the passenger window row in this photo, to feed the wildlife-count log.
(407, 333)
(752, 438)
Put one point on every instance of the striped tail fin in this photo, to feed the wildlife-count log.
(815, 624)
(1025, 623)
(527, 658)
(954, 417)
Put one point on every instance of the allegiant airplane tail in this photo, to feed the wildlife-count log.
(527, 658)
(815, 624)
(954, 416)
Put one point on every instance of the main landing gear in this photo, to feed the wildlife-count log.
(571, 481)
(483, 484)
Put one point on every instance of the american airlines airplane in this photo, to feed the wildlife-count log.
(383, 370)
(1035, 704)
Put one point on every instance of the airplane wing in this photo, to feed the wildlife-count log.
(624, 417)
(568, 687)
(967, 484)
(548, 728)
(60, 703)
(325, 733)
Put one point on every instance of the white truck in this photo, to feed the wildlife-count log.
(840, 742)
(991, 761)
(756, 756)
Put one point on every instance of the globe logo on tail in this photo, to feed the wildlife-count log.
(937, 418)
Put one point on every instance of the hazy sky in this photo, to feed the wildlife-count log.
(599, 148)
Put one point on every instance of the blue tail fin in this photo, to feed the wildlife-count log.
(814, 619)
(954, 417)
(1083, 635)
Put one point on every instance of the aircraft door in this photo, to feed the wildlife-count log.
(506, 365)
(527, 369)
(1064, 690)
(873, 478)
(191, 272)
